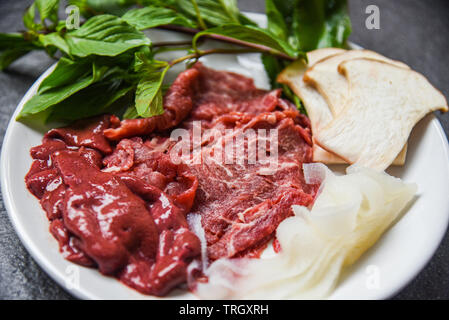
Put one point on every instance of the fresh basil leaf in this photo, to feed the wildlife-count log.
(150, 17)
(306, 25)
(48, 9)
(284, 8)
(143, 63)
(273, 67)
(13, 40)
(159, 3)
(89, 8)
(312, 24)
(12, 47)
(250, 34)
(211, 11)
(104, 35)
(231, 9)
(165, 87)
(276, 22)
(95, 99)
(246, 21)
(54, 39)
(42, 102)
(131, 113)
(124, 61)
(66, 72)
(149, 94)
(286, 91)
(214, 12)
(29, 16)
(9, 56)
(155, 107)
(337, 26)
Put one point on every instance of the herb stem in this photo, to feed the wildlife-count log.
(201, 53)
(256, 47)
(168, 49)
(198, 15)
(171, 44)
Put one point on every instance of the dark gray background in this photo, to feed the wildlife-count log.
(413, 31)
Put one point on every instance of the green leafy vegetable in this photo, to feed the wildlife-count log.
(305, 25)
(29, 16)
(48, 9)
(231, 9)
(309, 24)
(337, 26)
(65, 73)
(130, 113)
(149, 94)
(9, 56)
(12, 47)
(273, 67)
(55, 40)
(213, 12)
(48, 98)
(89, 8)
(104, 35)
(276, 22)
(109, 65)
(88, 102)
(145, 63)
(151, 17)
(250, 34)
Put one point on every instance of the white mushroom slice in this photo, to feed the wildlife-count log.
(384, 104)
(320, 54)
(316, 106)
(333, 86)
(321, 155)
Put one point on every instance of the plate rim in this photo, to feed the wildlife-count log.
(49, 268)
(431, 253)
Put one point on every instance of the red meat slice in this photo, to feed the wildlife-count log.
(110, 221)
(240, 204)
(83, 133)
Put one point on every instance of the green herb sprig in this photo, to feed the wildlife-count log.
(108, 65)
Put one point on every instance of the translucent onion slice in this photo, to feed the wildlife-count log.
(349, 215)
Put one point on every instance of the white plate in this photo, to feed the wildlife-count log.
(387, 267)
